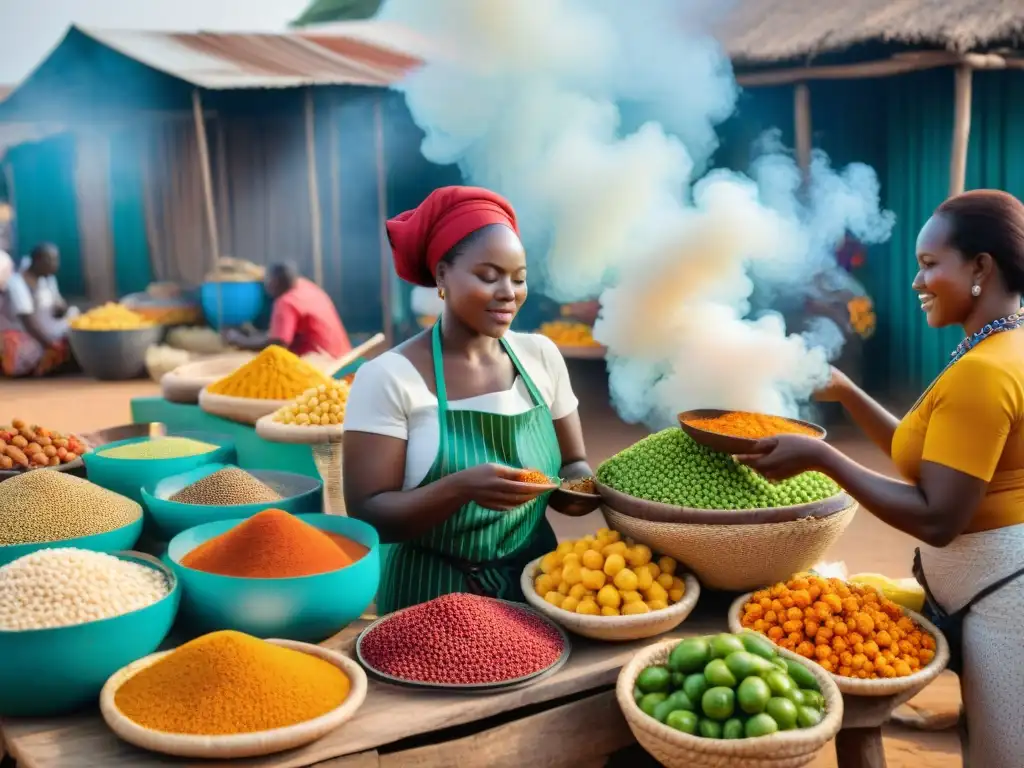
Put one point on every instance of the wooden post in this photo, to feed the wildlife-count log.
(382, 205)
(802, 127)
(211, 209)
(334, 213)
(962, 81)
(314, 190)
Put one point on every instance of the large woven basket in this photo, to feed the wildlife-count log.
(673, 749)
(893, 686)
(735, 550)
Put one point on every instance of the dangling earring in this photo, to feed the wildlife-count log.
(440, 293)
(975, 290)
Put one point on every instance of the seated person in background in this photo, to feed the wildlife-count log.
(33, 318)
(303, 318)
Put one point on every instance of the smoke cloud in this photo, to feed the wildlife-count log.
(597, 119)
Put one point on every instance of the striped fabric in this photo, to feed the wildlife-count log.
(499, 543)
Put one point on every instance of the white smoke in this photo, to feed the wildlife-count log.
(597, 119)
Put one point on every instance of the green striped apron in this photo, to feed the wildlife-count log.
(477, 550)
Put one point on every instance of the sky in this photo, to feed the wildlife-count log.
(30, 28)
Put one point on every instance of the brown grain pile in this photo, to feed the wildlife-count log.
(227, 487)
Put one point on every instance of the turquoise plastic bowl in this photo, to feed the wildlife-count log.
(128, 476)
(300, 494)
(306, 608)
(49, 672)
(117, 540)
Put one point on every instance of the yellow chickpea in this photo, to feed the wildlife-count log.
(570, 603)
(657, 605)
(635, 608)
(656, 593)
(580, 547)
(572, 558)
(618, 548)
(593, 559)
(655, 570)
(665, 580)
(609, 596)
(614, 563)
(593, 580)
(564, 548)
(588, 607)
(556, 577)
(578, 591)
(572, 573)
(639, 555)
(614, 536)
(543, 584)
(550, 562)
(626, 580)
(643, 576)
(555, 598)
(632, 596)
(607, 610)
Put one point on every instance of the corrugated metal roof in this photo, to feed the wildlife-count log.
(223, 61)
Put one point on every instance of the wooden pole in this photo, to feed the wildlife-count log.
(207, 178)
(335, 211)
(802, 127)
(962, 82)
(382, 205)
(314, 191)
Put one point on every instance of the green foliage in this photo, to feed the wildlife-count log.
(324, 11)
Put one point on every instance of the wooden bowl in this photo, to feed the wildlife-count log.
(728, 443)
(276, 432)
(244, 410)
(574, 503)
(242, 744)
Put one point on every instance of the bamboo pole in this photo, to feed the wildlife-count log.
(207, 179)
(382, 203)
(314, 190)
(962, 87)
(335, 212)
(802, 127)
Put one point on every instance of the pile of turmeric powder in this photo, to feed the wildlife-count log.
(751, 425)
(228, 683)
(274, 374)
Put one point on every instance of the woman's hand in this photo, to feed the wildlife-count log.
(839, 383)
(497, 487)
(785, 456)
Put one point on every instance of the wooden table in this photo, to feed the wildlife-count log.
(568, 719)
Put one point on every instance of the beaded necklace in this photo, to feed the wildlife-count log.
(1008, 323)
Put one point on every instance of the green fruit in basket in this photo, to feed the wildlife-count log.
(733, 729)
(753, 695)
(689, 656)
(637, 694)
(676, 701)
(684, 721)
(723, 645)
(779, 682)
(654, 680)
(651, 701)
(813, 699)
(710, 729)
(718, 703)
(807, 717)
(695, 685)
(758, 645)
(780, 663)
(796, 696)
(760, 725)
(802, 676)
(743, 664)
(717, 673)
(678, 678)
(783, 712)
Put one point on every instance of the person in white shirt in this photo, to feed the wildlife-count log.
(439, 430)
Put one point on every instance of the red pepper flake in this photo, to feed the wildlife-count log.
(462, 639)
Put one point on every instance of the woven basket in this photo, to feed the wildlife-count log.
(242, 744)
(613, 628)
(184, 383)
(245, 410)
(673, 749)
(733, 550)
(854, 686)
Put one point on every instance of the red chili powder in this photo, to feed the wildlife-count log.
(462, 639)
(271, 544)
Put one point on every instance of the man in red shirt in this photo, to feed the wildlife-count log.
(303, 319)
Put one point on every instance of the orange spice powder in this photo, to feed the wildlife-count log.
(751, 425)
(534, 477)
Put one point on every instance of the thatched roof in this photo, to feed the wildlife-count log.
(774, 30)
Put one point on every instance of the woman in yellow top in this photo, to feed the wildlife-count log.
(961, 452)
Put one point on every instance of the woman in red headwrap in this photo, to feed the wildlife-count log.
(438, 429)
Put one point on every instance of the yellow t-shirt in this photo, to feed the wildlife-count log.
(972, 420)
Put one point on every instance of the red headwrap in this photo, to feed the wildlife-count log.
(421, 237)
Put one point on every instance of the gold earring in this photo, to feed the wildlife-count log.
(440, 293)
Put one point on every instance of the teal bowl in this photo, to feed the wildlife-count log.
(50, 672)
(300, 494)
(308, 609)
(117, 540)
(128, 476)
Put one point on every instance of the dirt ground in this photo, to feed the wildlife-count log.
(80, 405)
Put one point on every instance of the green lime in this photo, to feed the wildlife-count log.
(781, 664)
(760, 725)
(695, 685)
(802, 676)
(795, 695)
(717, 673)
(678, 678)
(758, 645)
(733, 729)
(651, 701)
(637, 694)
(710, 729)
(779, 682)
(813, 699)
(753, 695)
(677, 700)
(783, 712)
(744, 664)
(684, 721)
(654, 680)
(718, 703)
(690, 655)
(724, 644)
(806, 717)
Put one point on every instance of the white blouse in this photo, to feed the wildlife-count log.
(389, 397)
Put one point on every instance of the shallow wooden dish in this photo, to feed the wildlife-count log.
(728, 443)
(275, 432)
(854, 686)
(184, 383)
(245, 410)
(235, 745)
(613, 628)
(574, 503)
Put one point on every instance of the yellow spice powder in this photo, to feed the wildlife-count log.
(274, 374)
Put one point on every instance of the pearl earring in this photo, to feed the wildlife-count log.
(976, 291)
